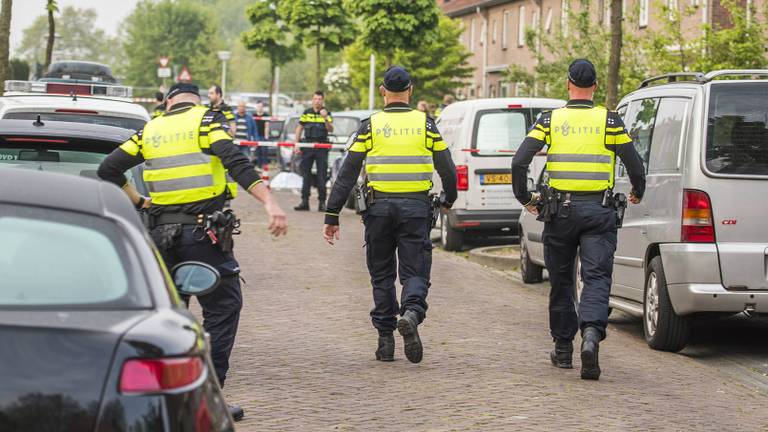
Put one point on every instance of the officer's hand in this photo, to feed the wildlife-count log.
(331, 233)
(147, 202)
(633, 198)
(532, 209)
(278, 225)
(324, 112)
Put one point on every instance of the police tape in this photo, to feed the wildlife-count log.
(290, 144)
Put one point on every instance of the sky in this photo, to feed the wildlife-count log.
(110, 14)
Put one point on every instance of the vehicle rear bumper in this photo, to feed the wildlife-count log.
(484, 219)
(696, 297)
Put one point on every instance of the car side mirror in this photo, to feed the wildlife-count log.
(531, 185)
(194, 278)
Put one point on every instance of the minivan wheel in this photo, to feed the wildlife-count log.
(452, 239)
(664, 329)
(530, 272)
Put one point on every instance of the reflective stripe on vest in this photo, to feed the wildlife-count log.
(177, 169)
(399, 160)
(577, 158)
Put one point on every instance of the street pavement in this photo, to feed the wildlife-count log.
(304, 357)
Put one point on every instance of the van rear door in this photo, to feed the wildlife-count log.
(736, 156)
(497, 133)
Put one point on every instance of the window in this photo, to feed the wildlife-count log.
(504, 90)
(737, 129)
(670, 121)
(643, 19)
(472, 35)
(505, 30)
(535, 18)
(548, 22)
(521, 28)
(493, 37)
(642, 120)
(75, 259)
(673, 9)
(565, 12)
(500, 130)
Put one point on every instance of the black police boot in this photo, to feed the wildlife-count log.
(321, 206)
(562, 355)
(590, 346)
(386, 351)
(236, 411)
(304, 206)
(408, 328)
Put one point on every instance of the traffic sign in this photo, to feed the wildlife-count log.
(184, 75)
(164, 61)
(163, 72)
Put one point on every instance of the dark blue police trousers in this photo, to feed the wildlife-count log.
(397, 238)
(590, 231)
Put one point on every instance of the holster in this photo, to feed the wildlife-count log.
(436, 202)
(361, 198)
(547, 204)
(225, 225)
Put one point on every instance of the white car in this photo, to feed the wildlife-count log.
(93, 103)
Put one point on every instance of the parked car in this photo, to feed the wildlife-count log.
(697, 244)
(78, 70)
(482, 136)
(95, 337)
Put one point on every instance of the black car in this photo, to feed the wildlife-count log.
(93, 335)
(64, 147)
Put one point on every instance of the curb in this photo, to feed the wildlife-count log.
(486, 257)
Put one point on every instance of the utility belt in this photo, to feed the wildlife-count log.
(365, 197)
(553, 203)
(218, 226)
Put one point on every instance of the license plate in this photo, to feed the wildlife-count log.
(489, 179)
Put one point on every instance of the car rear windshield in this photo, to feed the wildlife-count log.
(82, 163)
(500, 132)
(52, 258)
(121, 122)
(737, 135)
(344, 127)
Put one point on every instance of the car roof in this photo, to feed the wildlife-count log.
(14, 101)
(360, 114)
(64, 129)
(495, 103)
(66, 192)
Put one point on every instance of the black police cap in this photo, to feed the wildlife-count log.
(397, 79)
(582, 73)
(180, 88)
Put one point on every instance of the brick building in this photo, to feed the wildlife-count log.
(494, 31)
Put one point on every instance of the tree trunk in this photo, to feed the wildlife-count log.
(51, 36)
(319, 64)
(614, 62)
(272, 68)
(5, 33)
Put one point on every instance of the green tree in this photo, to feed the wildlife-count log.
(437, 67)
(19, 69)
(391, 25)
(182, 31)
(5, 34)
(51, 7)
(270, 38)
(738, 46)
(321, 24)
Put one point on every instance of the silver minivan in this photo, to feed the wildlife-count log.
(698, 242)
(482, 136)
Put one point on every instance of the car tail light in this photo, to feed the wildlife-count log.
(697, 218)
(462, 177)
(511, 106)
(76, 111)
(157, 375)
(37, 140)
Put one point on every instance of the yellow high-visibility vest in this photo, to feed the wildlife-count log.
(577, 158)
(399, 160)
(179, 168)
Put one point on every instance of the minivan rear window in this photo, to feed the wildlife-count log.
(121, 122)
(737, 129)
(500, 132)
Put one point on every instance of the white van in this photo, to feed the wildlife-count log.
(482, 135)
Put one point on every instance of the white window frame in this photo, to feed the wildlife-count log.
(472, 35)
(521, 27)
(645, 6)
(494, 27)
(565, 12)
(535, 17)
(505, 30)
(673, 7)
(548, 22)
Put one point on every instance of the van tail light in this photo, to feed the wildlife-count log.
(462, 177)
(697, 218)
(159, 375)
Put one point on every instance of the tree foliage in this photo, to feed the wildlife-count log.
(182, 31)
(391, 25)
(437, 67)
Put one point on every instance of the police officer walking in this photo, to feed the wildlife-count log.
(583, 141)
(401, 147)
(316, 123)
(186, 152)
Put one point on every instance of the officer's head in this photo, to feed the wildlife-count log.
(159, 96)
(582, 79)
(182, 92)
(215, 94)
(397, 86)
(318, 100)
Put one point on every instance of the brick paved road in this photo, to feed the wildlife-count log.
(304, 356)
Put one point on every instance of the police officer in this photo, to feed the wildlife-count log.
(160, 106)
(400, 147)
(185, 152)
(316, 123)
(216, 98)
(583, 141)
